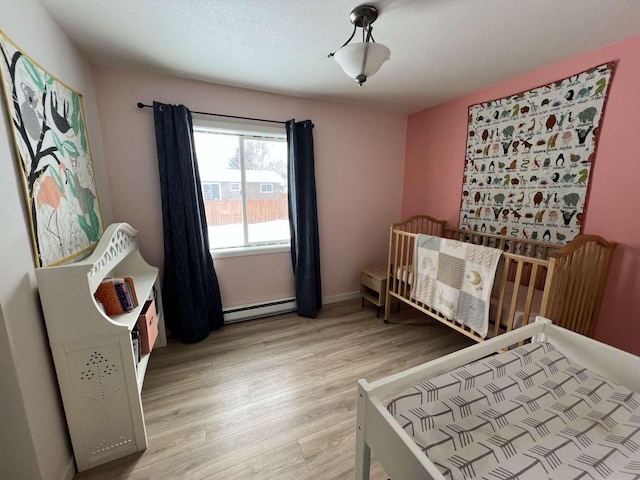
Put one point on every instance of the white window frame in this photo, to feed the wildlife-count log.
(247, 131)
(266, 190)
(234, 187)
(219, 191)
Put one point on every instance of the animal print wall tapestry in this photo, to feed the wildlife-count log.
(54, 157)
(529, 158)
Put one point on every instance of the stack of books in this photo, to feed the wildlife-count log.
(116, 295)
(135, 343)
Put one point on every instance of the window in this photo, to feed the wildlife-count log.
(210, 191)
(253, 162)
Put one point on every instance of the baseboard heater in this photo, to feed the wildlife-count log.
(258, 310)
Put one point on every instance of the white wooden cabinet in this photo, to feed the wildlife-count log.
(98, 377)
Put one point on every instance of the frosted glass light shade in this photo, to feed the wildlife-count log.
(351, 58)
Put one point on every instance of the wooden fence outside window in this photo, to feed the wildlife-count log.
(228, 212)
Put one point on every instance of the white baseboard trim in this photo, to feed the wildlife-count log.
(71, 469)
(341, 297)
(250, 311)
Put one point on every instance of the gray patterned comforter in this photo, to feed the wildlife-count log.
(526, 414)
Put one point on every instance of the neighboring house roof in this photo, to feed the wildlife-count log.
(252, 176)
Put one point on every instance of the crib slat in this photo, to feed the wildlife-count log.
(396, 264)
(579, 288)
(514, 297)
(585, 297)
(604, 261)
(502, 287)
(390, 278)
(404, 273)
(530, 291)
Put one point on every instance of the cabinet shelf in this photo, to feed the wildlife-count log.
(99, 379)
(144, 284)
(141, 370)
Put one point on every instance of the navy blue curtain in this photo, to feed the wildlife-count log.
(190, 290)
(303, 218)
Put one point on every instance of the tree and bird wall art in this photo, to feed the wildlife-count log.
(54, 158)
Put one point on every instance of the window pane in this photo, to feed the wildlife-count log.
(211, 191)
(219, 165)
(264, 191)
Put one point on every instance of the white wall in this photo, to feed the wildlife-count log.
(34, 440)
(16, 448)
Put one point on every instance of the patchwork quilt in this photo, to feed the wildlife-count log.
(455, 278)
(526, 414)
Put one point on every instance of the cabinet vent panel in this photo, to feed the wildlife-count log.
(103, 447)
(102, 399)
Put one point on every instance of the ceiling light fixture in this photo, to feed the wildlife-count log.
(360, 60)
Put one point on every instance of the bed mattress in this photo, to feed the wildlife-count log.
(527, 414)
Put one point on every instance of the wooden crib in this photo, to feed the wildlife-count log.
(565, 283)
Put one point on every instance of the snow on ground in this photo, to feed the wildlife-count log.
(225, 236)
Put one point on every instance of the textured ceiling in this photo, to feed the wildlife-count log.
(440, 49)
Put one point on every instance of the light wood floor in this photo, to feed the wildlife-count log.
(272, 398)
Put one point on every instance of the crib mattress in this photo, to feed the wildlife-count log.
(405, 274)
(520, 304)
(528, 413)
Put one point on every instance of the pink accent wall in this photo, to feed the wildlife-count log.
(435, 150)
(359, 155)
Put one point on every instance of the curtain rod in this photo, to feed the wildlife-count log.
(142, 105)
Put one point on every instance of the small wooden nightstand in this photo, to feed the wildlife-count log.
(373, 286)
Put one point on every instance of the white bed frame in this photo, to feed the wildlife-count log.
(378, 432)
